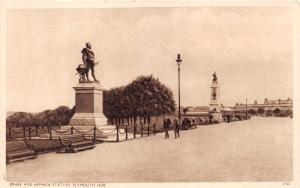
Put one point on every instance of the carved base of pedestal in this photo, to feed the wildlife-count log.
(216, 117)
(215, 108)
(88, 119)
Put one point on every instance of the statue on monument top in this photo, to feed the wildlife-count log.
(88, 58)
(215, 77)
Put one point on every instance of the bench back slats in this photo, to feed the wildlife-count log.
(74, 138)
(15, 145)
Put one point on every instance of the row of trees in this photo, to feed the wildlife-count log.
(143, 98)
(59, 116)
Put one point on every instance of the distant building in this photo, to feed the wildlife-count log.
(196, 111)
(277, 107)
(279, 101)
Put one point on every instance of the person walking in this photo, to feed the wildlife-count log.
(194, 123)
(228, 118)
(176, 128)
(166, 128)
(210, 119)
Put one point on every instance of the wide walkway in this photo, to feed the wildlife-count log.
(255, 150)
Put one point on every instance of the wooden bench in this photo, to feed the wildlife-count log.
(76, 142)
(17, 150)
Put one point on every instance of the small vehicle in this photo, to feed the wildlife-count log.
(188, 124)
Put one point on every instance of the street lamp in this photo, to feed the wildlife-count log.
(178, 60)
(246, 109)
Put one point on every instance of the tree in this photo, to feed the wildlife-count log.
(251, 111)
(185, 110)
(288, 112)
(59, 116)
(62, 115)
(40, 119)
(112, 103)
(151, 97)
(261, 111)
(276, 111)
(20, 119)
(144, 97)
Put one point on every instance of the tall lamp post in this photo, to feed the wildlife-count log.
(246, 109)
(178, 60)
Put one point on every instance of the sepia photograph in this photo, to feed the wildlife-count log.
(149, 94)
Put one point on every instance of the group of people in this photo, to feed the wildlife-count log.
(168, 124)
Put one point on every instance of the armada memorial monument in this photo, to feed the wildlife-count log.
(214, 105)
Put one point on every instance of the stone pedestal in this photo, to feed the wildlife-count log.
(89, 105)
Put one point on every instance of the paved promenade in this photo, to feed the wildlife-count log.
(259, 149)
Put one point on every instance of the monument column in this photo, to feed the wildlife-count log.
(214, 105)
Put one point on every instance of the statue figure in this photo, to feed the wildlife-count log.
(214, 95)
(215, 77)
(88, 59)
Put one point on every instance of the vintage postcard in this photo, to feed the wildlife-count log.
(196, 93)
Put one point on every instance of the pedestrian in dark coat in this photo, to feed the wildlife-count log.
(166, 128)
(210, 119)
(194, 123)
(176, 128)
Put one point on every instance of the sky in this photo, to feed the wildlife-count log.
(250, 48)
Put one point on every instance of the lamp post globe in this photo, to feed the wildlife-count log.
(178, 60)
